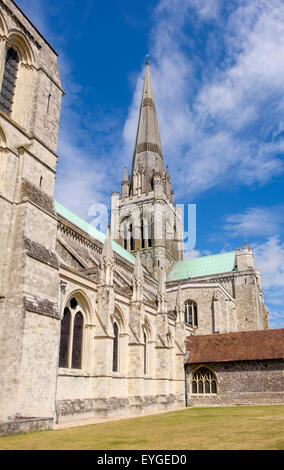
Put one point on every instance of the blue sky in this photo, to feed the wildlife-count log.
(218, 77)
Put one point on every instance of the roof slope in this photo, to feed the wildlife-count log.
(204, 266)
(240, 346)
(91, 230)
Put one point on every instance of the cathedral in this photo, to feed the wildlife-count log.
(100, 326)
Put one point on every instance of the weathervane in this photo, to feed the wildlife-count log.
(147, 59)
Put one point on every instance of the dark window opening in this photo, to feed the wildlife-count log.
(64, 339)
(145, 353)
(125, 237)
(149, 234)
(190, 313)
(142, 234)
(77, 341)
(131, 238)
(9, 81)
(73, 303)
(115, 348)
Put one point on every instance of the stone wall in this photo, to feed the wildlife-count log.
(242, 383)
(21, 426)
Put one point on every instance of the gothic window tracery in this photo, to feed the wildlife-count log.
(203, 381)
(9, 81)
(190, 313)
(71, 339)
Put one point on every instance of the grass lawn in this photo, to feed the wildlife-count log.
(228, 428)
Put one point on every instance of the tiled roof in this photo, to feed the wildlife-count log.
(240, 346)
(91, 230)
(204, 266)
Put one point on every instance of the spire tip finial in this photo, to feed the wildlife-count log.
(147, 59)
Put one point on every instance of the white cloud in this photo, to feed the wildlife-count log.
(192, 254)
(269, 258)
(211, 114)
(256, 221)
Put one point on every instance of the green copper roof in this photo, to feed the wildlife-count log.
(91, 230)
(204, 266)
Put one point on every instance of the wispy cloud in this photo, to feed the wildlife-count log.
(212, 114)
(256, 222)
(269, 258)
(263, 226)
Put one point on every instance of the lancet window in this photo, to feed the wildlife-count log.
(9, 80)
(190, 313)
(71, 339)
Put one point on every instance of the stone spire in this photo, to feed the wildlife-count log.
(138, 270)
(107, 248)
(125, 185)
(148, 148)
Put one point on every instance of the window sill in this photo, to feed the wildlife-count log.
(117, 374)
(203, 394)
(72, 372)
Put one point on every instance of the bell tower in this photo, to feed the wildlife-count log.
(143, 215)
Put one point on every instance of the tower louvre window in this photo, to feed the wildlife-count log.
(9, 81)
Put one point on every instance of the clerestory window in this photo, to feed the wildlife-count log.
(190, 313)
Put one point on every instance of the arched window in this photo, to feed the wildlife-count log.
(190, 313)
(64, 339)
(203, 381)
(131, 237)
(77, 341)
(149, 232)
(115, 348)
(9, 81)
(71, 339)
(125, 236)
(145, 353)
(142, 233)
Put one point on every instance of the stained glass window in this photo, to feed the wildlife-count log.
(145, 353)
(9, 81)
(70, 352)
(77, 341)
(64, 339)
(115, 348)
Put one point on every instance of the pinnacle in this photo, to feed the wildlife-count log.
(138, 270)
(107, 248)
